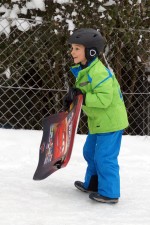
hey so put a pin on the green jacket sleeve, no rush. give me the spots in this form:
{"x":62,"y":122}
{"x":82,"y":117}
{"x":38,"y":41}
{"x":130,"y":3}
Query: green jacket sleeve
{"x":101,"y":93}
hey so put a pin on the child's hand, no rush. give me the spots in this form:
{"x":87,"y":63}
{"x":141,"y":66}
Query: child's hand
{"x":77,"y":91}
{"x":66,"y":103}
{"x":69,"y":97}
{"x":74,"y":92}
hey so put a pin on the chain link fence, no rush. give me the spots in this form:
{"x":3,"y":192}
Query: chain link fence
{"x":34,"y":74}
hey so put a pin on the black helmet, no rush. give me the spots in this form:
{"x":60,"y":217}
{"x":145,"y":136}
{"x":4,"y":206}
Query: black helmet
{"x":90,"y":38}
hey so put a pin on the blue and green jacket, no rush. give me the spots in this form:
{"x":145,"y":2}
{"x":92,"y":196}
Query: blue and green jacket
{"x":104,"y":105}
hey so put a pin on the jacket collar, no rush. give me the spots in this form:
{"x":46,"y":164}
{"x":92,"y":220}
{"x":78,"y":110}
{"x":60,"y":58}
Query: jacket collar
{"x":77,"y":68}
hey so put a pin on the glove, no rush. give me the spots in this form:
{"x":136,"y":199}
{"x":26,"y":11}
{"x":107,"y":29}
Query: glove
{"x":66,"y":103}
{"x":69,"y":97}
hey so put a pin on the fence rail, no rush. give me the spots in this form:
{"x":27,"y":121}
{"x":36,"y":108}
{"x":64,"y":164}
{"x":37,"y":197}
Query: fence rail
{"x":34,"y":74}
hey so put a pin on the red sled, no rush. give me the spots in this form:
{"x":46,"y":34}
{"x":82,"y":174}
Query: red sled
{"x":57,"y":142}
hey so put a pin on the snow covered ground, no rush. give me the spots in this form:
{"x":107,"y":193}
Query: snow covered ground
{"x":55,"y":200}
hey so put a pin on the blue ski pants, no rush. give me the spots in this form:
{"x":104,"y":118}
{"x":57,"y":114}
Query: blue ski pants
{"x":101,"y":153}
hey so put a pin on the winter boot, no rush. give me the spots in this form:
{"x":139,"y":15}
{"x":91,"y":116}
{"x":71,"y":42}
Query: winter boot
{"x":93,"y":185}
{"x":79,"y":185}
{"x":99,"y":198}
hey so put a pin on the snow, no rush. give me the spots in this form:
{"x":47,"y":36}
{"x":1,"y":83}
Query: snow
{"x":36,"y":4}
{"x":139,"y":59}
{"x":110,"y":2}
{"x":55,"y":200}
{"x":101,"y":9}
{"x":140,"y":40}
{"x":62,"y":1}
{"x":15,"y":0}
{"x":3,"y":9}
{"x":58,"y":18}
{"x":38,"y":20}
{"x":130,"y":2}
{"x":7,"y":73}
{"x":74,"y":13}
{"x":24,"y":10}
{"x":10,"y":17}
{"x":14,"y":12}
{"x":23,"y":25}
{"x":4,"y":27}
{"x":71,"y":25}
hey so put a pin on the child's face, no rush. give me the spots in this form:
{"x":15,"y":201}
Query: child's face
{"x":78,"y":54}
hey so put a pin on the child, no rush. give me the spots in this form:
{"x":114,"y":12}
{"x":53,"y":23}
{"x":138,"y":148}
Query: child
{"x":107,"y":118}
